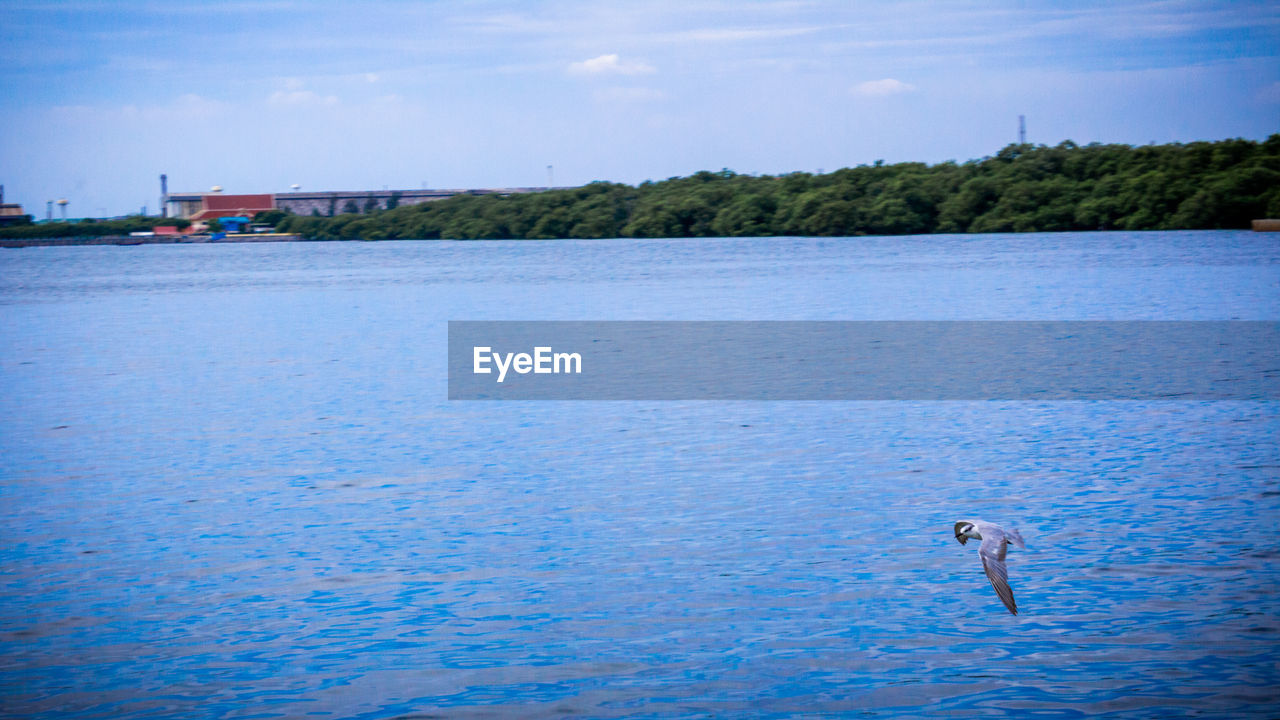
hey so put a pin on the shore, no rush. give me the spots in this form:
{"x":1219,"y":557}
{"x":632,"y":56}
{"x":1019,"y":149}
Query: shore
{"x":152,"y":240}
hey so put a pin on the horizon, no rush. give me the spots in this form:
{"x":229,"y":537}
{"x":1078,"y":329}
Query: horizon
{"x":636,"y":185}
{"x":101,"y":98}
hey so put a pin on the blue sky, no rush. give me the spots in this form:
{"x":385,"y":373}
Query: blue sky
{"x":101,"y":97}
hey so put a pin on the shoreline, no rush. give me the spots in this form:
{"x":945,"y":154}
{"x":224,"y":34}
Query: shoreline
{"x":152,"y":240}
{"x":126,"y":240}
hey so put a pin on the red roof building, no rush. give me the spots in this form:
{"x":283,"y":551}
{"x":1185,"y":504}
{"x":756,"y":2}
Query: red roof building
{"x":220,"y":206}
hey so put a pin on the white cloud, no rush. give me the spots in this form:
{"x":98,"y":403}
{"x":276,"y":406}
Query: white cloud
{"x":300,"y":97}
{"x":610,"y":64}
{"x":738,"y":34}
{"x":510,"y":23}
{"x":881,"y":88}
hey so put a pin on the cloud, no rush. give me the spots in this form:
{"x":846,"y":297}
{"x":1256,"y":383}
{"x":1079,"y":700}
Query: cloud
{"x":509,"y":23}
{"x":610,"y":65}
{"x":738,"y":34}
{"x":881,"y":88}
{"x":300,"y":97}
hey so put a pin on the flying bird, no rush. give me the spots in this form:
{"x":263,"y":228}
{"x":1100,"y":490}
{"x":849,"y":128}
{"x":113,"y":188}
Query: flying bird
{"x":995,"y":540}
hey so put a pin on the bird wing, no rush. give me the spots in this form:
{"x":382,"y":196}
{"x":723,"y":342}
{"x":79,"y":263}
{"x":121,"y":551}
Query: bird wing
{"x":992,"y":553}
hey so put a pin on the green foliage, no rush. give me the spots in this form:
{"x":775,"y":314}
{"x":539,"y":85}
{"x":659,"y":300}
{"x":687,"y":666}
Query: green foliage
{"x":1022,"y":188}
{"x":91,"y":228}
{"x":271,"y":217}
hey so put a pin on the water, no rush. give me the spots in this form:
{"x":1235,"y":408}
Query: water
{"x":231,"y":486}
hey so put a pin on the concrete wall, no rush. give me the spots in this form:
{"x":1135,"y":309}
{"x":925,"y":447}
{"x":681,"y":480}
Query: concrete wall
{"x":184,"y":205}
{"x":335,"y":203}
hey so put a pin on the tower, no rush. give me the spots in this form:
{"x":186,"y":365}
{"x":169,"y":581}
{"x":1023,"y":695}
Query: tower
{"x":1022,"y":129}
{"x":164,"y":195}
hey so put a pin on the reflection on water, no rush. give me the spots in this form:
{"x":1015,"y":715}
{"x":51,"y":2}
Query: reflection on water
{"x":231,"y":486}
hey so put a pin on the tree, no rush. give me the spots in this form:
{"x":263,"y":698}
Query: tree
{"x":1022,"y":188}
{"x":271,"y":217}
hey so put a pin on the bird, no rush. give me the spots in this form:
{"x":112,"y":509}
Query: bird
{"x":995,"y":540}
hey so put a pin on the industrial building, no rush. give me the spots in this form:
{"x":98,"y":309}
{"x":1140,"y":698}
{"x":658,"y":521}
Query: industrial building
{"x":216,"y":204}
{"x":11,"y":213}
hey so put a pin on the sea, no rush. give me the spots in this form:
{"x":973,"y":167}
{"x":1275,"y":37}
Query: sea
{"x":233,"y":485}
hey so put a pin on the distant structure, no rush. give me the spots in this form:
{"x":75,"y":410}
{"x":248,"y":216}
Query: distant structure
{"x":164,"y":193}
{"x":62,"y":203}
{"x":1022,"y":129}
{"x":216,"y":204}
{"x":10,"y":213}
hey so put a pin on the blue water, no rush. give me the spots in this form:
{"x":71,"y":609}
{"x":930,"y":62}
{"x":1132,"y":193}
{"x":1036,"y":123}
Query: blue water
{"x":231,"y":486}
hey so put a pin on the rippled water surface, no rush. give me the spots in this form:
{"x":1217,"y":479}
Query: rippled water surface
{"x":231,"y":486}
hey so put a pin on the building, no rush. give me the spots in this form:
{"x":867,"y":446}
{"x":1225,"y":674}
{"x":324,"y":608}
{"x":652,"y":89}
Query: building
{"x":12,"y":214}
{"x":210,"y":205}
{"x":234,"y":223}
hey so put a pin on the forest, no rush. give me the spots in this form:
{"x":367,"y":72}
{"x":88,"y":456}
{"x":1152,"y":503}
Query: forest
{"x":1022,"y":188}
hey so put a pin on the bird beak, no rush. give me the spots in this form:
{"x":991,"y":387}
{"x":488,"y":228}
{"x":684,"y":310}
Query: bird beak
{"x":962,"y":539}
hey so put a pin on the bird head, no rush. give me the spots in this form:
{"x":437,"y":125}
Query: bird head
{"x":963,"y":528}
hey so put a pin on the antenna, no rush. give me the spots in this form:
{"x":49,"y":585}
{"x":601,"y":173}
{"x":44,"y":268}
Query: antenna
{"x":1022,"y":129}
{"x":551,"y":176}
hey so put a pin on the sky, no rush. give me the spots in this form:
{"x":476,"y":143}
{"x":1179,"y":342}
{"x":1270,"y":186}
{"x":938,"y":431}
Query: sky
{"x":100,"y":98}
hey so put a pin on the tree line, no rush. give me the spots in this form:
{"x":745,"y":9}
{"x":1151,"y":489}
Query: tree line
{"x":1022,"y":188}
{"x":89,"y":227}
